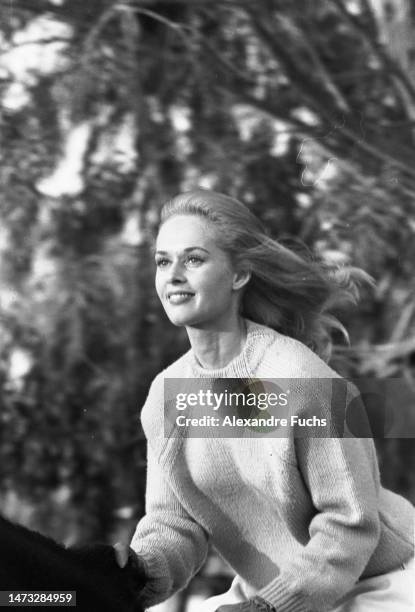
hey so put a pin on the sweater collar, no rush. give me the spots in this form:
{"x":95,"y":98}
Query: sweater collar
{"x":238,"y":367}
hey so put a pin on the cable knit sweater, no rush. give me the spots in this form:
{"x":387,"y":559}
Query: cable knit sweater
{"x":300,"y":520}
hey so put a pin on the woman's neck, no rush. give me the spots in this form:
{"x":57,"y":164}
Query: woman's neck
{"x":215,"y":348}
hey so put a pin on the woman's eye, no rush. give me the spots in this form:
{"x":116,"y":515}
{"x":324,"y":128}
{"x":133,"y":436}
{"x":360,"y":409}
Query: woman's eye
{"x":194,"y":260}
{"x":162,"y":262}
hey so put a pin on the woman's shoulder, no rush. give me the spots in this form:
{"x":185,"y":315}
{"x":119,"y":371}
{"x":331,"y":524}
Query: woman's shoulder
{"x":286,"y":357}
{"x":155,"y":400}
{"x":311,"y":380}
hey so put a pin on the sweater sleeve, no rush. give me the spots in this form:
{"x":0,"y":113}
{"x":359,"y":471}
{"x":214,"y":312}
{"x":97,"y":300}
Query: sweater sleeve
{"x":167,"y":539}
{"x":342,"y":477}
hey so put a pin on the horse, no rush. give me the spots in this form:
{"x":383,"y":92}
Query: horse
{"x":30,"y":561}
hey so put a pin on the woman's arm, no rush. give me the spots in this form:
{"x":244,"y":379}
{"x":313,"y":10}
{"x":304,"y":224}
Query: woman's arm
{"x":168,"y":540}
{"x":343,"y":480}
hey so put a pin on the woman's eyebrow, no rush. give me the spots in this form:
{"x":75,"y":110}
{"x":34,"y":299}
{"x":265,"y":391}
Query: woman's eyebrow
{"x":194,"y":248}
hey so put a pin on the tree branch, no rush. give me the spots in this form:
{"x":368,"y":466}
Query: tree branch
{"x":327,"y":80}
{"x":318,"y":101}
{"x":316,"y":97}
{"x":391,"y":65}
{"x":189,"y":3}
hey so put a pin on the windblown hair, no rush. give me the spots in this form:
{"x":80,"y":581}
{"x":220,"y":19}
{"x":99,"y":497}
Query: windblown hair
{"x":290,"y":292}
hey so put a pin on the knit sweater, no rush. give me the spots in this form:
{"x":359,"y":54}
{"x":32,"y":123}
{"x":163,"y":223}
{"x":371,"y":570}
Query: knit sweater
{"x":300,"y":520}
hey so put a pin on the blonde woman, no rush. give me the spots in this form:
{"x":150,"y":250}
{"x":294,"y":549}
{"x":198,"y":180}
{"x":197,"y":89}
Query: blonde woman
{"x":304,"y":522}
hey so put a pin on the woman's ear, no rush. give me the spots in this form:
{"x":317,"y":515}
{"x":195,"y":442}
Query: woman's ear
{"x":240,"y":279}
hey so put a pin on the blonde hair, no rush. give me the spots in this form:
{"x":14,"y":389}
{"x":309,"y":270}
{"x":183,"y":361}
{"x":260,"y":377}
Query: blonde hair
{"x":290,"y":292}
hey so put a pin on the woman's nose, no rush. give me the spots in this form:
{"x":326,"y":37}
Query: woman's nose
{"x":176,"y":272}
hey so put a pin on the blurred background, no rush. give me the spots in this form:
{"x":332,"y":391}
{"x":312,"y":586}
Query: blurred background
{"x":304,"y":110}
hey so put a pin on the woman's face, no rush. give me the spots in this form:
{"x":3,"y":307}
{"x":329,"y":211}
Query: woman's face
{"x":195,"y":279}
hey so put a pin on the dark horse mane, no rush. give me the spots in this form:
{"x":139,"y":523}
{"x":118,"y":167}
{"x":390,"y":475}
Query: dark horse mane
{"x":30,"y":561}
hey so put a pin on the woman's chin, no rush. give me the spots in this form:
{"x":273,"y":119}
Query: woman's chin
{"x":187,"y":320}
{"x":180,"y":320}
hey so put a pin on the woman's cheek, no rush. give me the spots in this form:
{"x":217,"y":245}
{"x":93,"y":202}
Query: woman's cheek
{"x":159,"y":285}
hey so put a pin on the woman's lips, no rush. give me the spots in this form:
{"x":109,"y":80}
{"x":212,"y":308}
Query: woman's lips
{"x":179,"y":297}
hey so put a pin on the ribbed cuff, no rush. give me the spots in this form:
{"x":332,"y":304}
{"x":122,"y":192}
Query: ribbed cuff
{"x":261,"y":605}
{"x":282,"y":598}
{"x":158,"y":585}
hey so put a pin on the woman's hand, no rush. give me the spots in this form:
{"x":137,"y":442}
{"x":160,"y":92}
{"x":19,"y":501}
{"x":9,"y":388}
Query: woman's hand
{"x":122,"y":554}
{"x":128,"y":560}
{"x":255,"y":604}
{"x":118,"y":562}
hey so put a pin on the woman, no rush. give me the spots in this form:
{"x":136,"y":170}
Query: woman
{"x":304,"y":522}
